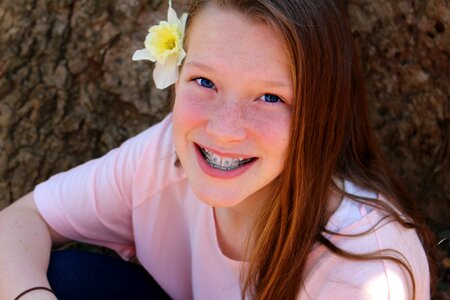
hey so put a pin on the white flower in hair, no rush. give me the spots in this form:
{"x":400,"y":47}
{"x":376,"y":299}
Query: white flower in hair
{"x":164,"y":45}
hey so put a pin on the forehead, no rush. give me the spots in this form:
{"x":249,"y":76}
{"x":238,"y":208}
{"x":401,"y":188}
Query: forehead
{"x":230,"y":38}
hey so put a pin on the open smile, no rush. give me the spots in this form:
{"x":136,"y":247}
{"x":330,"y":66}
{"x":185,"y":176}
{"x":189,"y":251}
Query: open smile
{"x":221,"y":162}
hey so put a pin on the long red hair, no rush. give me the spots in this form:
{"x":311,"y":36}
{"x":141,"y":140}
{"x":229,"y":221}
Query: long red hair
{"x":331,"y":136}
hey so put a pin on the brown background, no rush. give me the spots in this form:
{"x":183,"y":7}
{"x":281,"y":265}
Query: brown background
{"x":70,"y":92}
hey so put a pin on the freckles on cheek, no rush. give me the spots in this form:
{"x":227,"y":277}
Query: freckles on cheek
{"x":272,"y":127}
{"x":188,"y":111}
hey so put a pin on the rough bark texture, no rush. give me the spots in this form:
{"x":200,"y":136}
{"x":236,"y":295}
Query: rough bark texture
{"x":68,"y":88}
{"x":405,"y":48}
{"x":70,"y":92}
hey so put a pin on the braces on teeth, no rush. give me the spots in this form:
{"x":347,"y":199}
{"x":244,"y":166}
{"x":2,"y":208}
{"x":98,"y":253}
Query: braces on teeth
{"x":223,"y":163}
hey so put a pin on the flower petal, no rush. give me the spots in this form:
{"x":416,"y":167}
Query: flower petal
{"x":142,"y":54}
{"x":171,"y":15}
{"x":166,"y":74}
{"x":183,"y":23}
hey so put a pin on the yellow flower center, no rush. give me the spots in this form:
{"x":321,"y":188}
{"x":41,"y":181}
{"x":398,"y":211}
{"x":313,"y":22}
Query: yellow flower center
{"x":170,"y":44}
{"x":164,"y":40}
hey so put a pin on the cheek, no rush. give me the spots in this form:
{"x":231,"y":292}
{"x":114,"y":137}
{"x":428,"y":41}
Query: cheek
{"x":272,"y":127}
{"x":187,"y":111}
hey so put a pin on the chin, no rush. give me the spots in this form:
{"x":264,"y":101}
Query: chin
{"x":217,"y":199}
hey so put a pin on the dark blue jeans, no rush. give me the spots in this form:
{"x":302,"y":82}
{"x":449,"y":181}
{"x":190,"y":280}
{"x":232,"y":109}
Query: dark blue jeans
{"x":76,"y":275}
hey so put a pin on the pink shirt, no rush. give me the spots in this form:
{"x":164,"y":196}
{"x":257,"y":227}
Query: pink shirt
{"x":135,"y":201}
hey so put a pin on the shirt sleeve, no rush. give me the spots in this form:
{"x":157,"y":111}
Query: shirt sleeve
{"x":92,"y":203}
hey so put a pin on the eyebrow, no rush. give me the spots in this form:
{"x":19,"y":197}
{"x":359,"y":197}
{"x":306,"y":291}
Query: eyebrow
{"x":199,"y":65}
{"x":206,"y":67}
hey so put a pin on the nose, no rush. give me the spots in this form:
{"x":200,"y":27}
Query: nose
{"x":225,"y":122}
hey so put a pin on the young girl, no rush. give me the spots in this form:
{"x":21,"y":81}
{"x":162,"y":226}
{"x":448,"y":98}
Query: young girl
{"x":264,"y":182}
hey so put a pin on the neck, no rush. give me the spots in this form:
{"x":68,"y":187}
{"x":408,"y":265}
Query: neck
{"x":233,"y":225}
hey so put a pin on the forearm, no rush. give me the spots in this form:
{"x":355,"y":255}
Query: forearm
{"x":24,"y":253}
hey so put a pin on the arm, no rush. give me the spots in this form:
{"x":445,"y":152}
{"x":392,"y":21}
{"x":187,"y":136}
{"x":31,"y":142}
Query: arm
{"x":90,"y":203}
{"x":26,"y":242}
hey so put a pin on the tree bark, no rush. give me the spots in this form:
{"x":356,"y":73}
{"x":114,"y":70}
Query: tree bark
{"x":69,"y":91}
{"x":405,"y":48}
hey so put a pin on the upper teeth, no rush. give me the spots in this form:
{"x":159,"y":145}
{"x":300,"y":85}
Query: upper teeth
{"x":226,"y":162}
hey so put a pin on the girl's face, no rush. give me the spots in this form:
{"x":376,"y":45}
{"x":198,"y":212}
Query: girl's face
{"x":232,"y":109}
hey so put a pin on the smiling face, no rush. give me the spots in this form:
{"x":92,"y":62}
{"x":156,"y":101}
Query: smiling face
{"x":232,"y":109}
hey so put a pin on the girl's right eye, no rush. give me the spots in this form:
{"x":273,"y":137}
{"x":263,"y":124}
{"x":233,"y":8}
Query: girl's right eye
{"x":206,"y":83}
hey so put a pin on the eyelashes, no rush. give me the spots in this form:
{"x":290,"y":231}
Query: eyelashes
{"x":208,"y":84}
{"x":271,"y":98}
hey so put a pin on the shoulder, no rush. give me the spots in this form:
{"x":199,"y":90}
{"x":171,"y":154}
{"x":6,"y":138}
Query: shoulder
{"x":365,"y":230}
{"x":158,"y":136}
{"x":156,"y":169}
{"x":335,"y":277}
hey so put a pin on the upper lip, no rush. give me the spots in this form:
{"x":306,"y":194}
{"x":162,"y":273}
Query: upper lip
{"x":224,"y":154}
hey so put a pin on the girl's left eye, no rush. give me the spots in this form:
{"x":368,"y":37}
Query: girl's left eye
{"x":206,"y":83}
{"x":271,"y":98}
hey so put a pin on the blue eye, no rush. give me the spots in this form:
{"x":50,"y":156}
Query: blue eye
{"x":271,"y":98}
{"x":205,"y":83}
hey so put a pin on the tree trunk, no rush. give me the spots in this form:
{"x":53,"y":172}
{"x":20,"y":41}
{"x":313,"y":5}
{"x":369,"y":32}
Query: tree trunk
{"x":405,"y":48}
{"x":69,"y":91}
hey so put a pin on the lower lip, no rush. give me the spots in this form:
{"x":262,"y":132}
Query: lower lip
{"x":213,"y":172}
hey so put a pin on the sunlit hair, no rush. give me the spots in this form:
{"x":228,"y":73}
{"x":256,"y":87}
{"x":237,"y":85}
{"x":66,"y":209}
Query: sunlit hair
{"x":331,"y":137}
